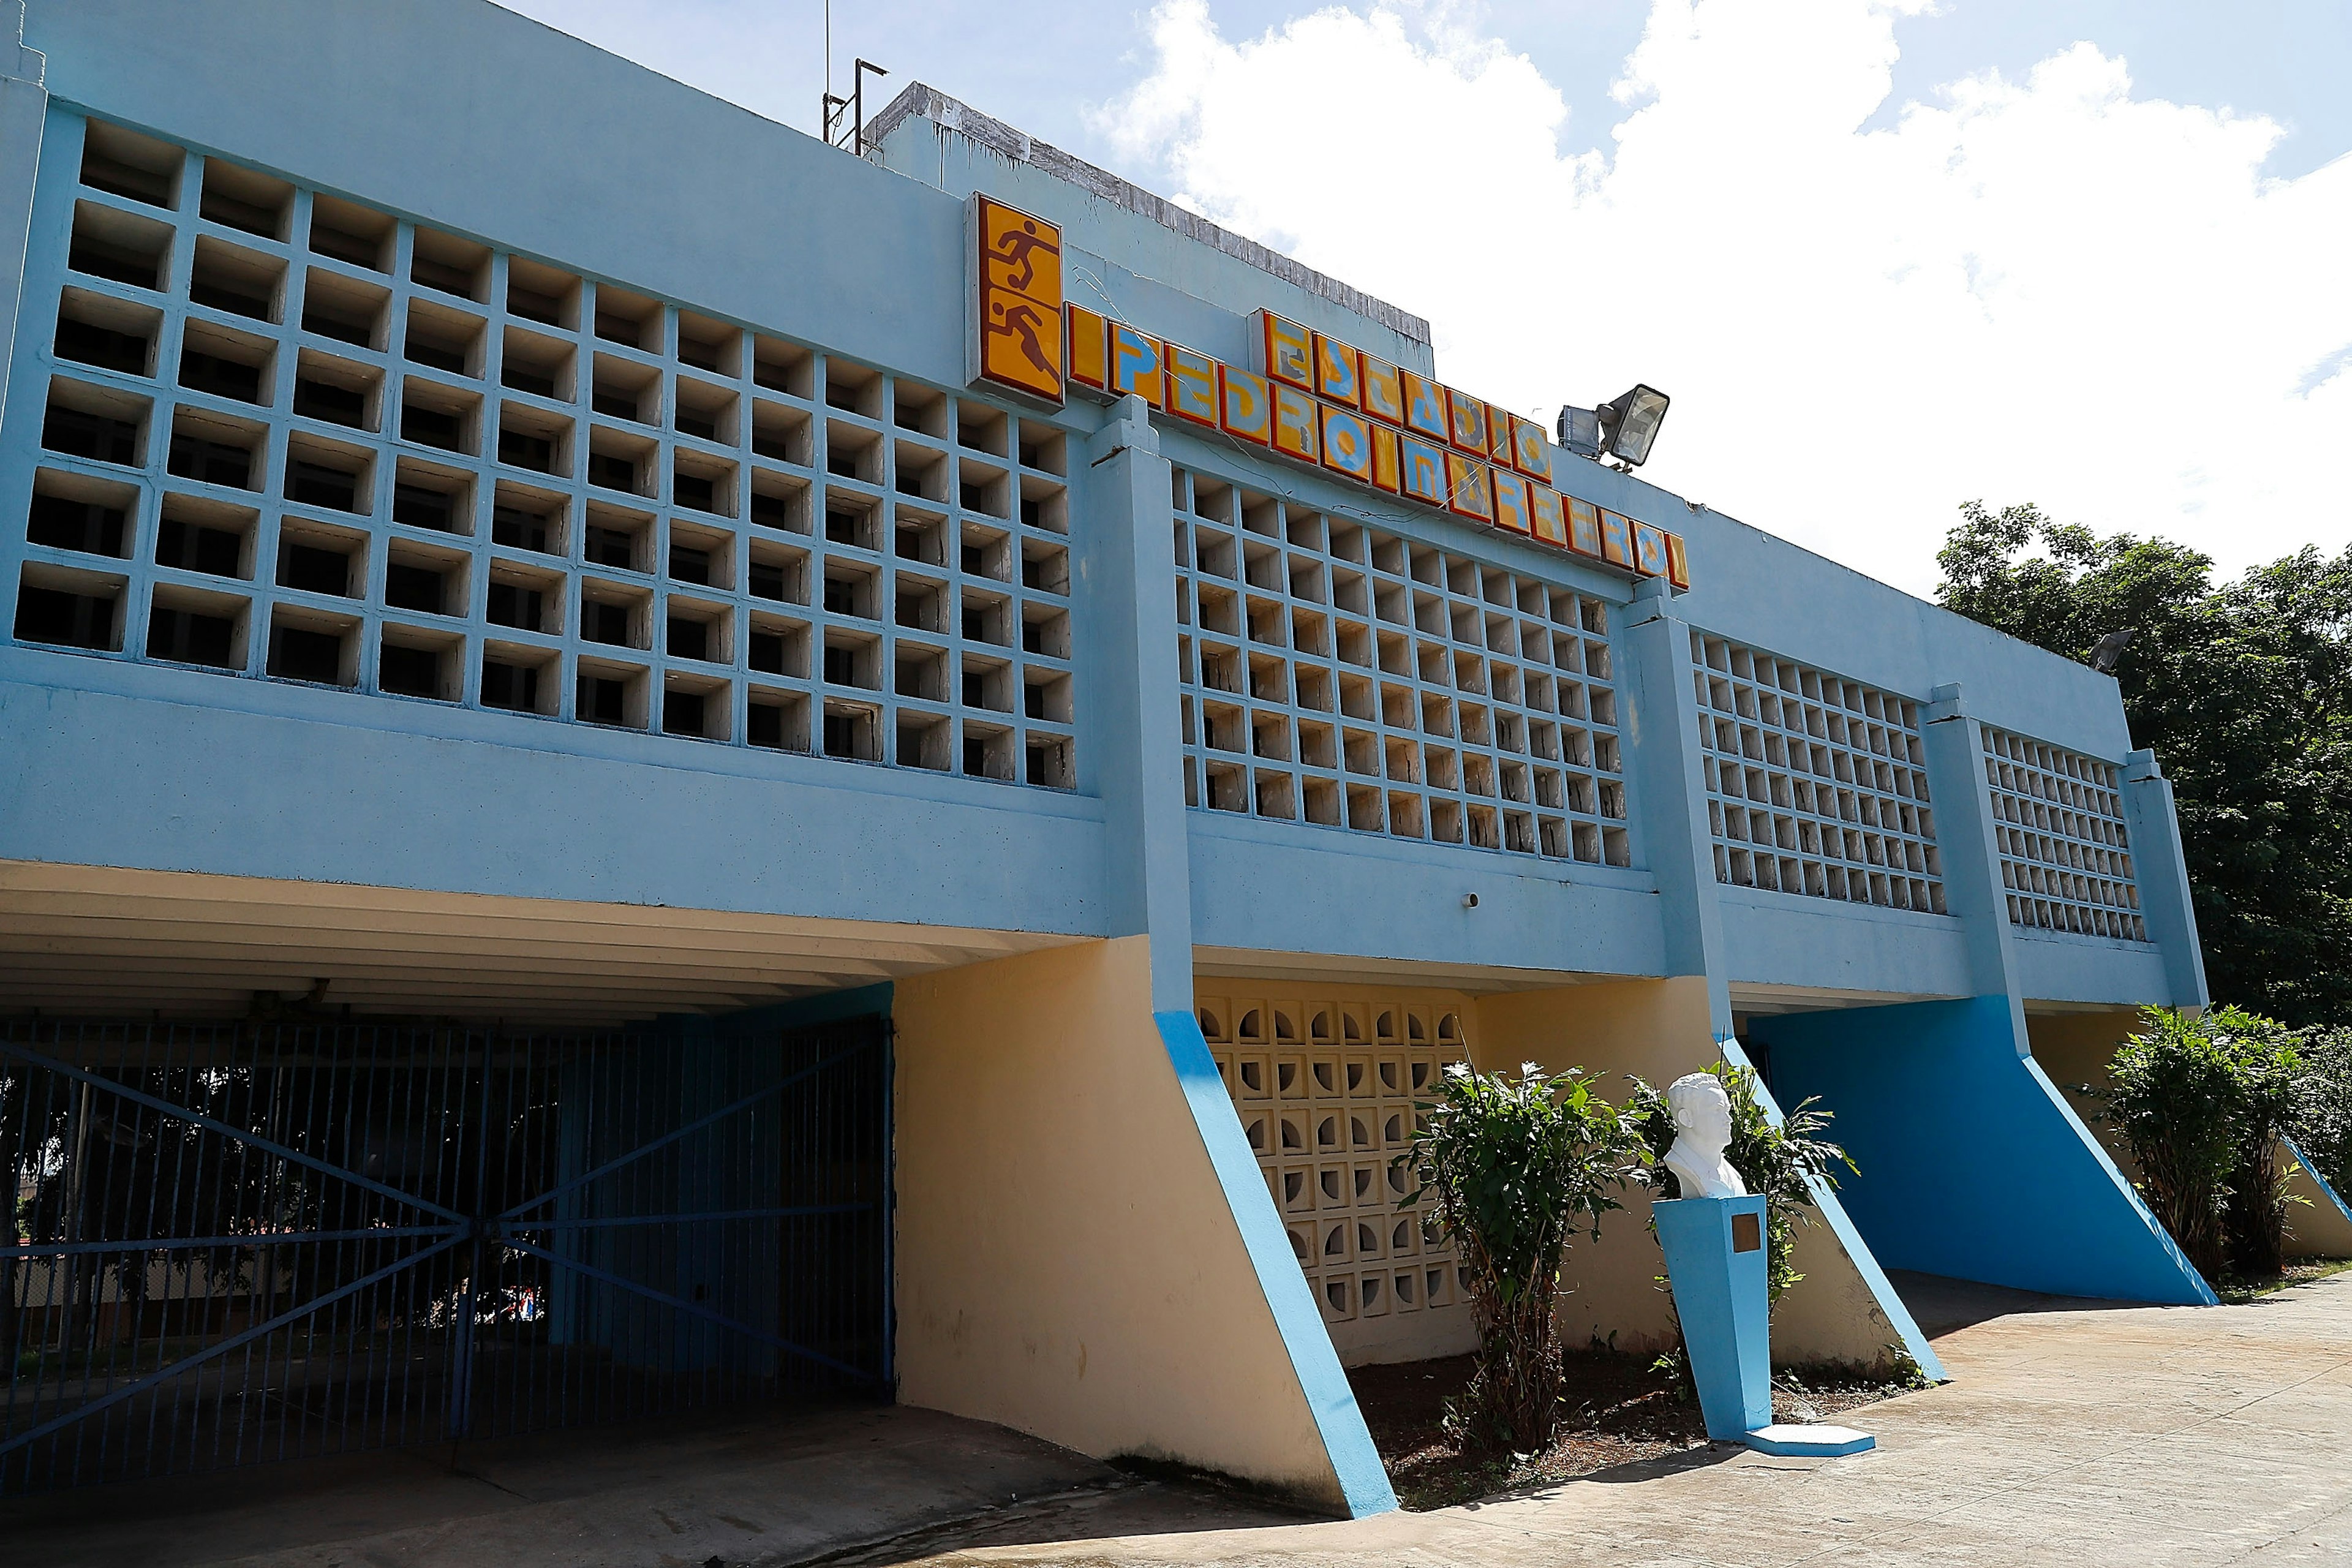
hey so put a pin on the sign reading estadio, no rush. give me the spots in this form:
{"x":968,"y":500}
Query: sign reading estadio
{"x":1307,"y":396}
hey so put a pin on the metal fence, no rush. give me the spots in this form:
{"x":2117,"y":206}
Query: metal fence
{"x":234,"y":1244}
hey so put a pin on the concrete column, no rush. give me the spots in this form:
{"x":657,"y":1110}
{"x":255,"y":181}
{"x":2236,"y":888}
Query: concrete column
{"x":1138,"y":723}
{"x":2161,"y":869}
{"x":24,"y":111}
{"x":1970,"y":853}
{"x":1676,"y":837}
{"x":1085,"y":1247}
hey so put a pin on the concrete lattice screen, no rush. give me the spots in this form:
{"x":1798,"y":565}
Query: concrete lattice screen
{"x":1816,"y":785}
{"x":2066,"y":852}
{"x":1338,"y":674}
{"x":1326,"y":1090}
{"x":288,"y":435}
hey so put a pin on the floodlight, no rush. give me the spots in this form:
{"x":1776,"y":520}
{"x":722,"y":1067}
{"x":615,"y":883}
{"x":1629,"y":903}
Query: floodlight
{"x":1580,"y":432}
{"x":1629,"y":425}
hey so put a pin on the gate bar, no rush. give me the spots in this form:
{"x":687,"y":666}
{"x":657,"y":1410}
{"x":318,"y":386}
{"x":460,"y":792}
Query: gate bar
{"x":695,"y":1308}
{"x":688,"y":1130}
{"x":32,"y":1249}
{"x":211,"y":1124}
{"x":116,"y":1396}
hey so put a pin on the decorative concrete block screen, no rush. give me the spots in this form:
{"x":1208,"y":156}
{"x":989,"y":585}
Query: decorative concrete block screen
{"x":1816,"y":785}
{"x":291,"y":437}
{"x":2066,"y":854}
{"x":1337,"y":673}
{"x":1325,"y":1089}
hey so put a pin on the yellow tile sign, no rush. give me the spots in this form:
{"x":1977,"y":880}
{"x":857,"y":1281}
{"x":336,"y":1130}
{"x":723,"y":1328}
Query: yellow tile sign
{"x":1019,"y":300}
{"x":1308,"y":397}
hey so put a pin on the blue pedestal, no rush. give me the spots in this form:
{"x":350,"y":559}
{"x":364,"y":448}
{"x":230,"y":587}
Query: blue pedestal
{"x":1715,"y":1259}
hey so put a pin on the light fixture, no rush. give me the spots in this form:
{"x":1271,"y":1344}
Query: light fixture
{"x":1580,"y":432}
{"x":1629,"y":425}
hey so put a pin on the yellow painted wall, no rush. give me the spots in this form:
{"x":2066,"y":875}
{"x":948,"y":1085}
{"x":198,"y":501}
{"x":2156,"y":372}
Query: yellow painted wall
{"x":2075,"y":1048}
{"x":1067,"y":1263}
{"x":1661,"y":1029}
{"x":2315,"y":1227}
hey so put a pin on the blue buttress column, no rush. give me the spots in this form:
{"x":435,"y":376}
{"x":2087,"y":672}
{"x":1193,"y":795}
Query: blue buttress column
{"x":1679,"y":845}
{"x":2160,"y":867}
{"x":1972,"y":1163}
{"x":1142,"y":786}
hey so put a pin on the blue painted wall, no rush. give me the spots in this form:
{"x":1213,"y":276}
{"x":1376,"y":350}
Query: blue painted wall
{"x":1287,"y":888}
{"x":1774,"y":939}
{"x":1971,"y":1164}
{"x":304,"y":789}
{"x":616,"y":173}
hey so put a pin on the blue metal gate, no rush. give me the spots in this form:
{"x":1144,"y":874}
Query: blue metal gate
{"x":234,"y":1244}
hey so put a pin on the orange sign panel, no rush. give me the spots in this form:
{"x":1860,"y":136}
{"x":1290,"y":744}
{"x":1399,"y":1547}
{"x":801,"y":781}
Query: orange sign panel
{"x":1020,"y":278}
{"x":1089,"y":362}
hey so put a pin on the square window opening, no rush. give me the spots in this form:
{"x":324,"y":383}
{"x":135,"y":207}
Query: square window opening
{"x":79,"y":513}
{"x":119,"y":246}
{"x":125,"y":163}
{"x":347,"y":232}
{"x":308,"y":646}
{"x":68,"y":609}
{"x":186,"y":626}
{"x":113,"y":335}
{"x":96,"y":423}
{"x":245,"y":199}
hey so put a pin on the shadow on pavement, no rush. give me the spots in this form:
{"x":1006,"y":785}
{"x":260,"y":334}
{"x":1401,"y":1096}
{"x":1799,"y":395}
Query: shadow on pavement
{"x":1943,"y":1306}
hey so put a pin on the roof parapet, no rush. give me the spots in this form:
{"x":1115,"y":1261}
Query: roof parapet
{"x":922,"y":101}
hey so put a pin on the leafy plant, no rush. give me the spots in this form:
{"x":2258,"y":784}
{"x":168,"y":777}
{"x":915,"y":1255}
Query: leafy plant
{"x":2267,"y":1073}
{"x":2202,"y":1103}
{"x":2171,"y":1099}
{"x":1780,"y":1163}
{"x":1514,"y":1171}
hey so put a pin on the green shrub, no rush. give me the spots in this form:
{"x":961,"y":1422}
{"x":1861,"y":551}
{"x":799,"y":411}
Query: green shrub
{"x":2269,"y":1074}
{"x":1514,"y":1170}
{"x":2202,"y":1103}
{"x":2171,"y":1099}
{"x":1778,"y":1162}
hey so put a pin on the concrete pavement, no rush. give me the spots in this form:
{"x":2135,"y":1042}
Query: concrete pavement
{"x":2081,"y":1434}
{"x":2075,"y":1433}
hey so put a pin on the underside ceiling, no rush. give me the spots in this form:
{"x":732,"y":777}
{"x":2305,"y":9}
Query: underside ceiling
{"x":100,"y":941}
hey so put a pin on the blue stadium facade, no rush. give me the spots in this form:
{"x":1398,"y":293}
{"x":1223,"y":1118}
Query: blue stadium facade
{"x":497,"y":543}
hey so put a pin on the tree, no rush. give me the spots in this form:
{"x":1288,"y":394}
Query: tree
{"x":1514,"y":1170}
{"x":2244,"y":692}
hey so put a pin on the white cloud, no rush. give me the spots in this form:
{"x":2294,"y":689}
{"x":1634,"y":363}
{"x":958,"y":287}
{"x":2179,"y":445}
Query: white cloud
{"x":2041,"y":290}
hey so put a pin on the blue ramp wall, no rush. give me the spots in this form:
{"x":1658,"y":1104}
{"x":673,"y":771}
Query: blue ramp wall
{"x":1971,"y":1165}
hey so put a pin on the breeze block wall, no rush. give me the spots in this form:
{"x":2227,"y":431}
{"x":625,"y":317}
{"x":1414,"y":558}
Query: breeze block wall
{"x":1326,"y":1080}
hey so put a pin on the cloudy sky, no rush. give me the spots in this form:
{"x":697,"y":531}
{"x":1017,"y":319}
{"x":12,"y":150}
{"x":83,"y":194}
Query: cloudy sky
{"x":1885,"y":255}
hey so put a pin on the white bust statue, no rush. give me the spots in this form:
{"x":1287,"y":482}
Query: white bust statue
{"x":1702,"y":1113}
